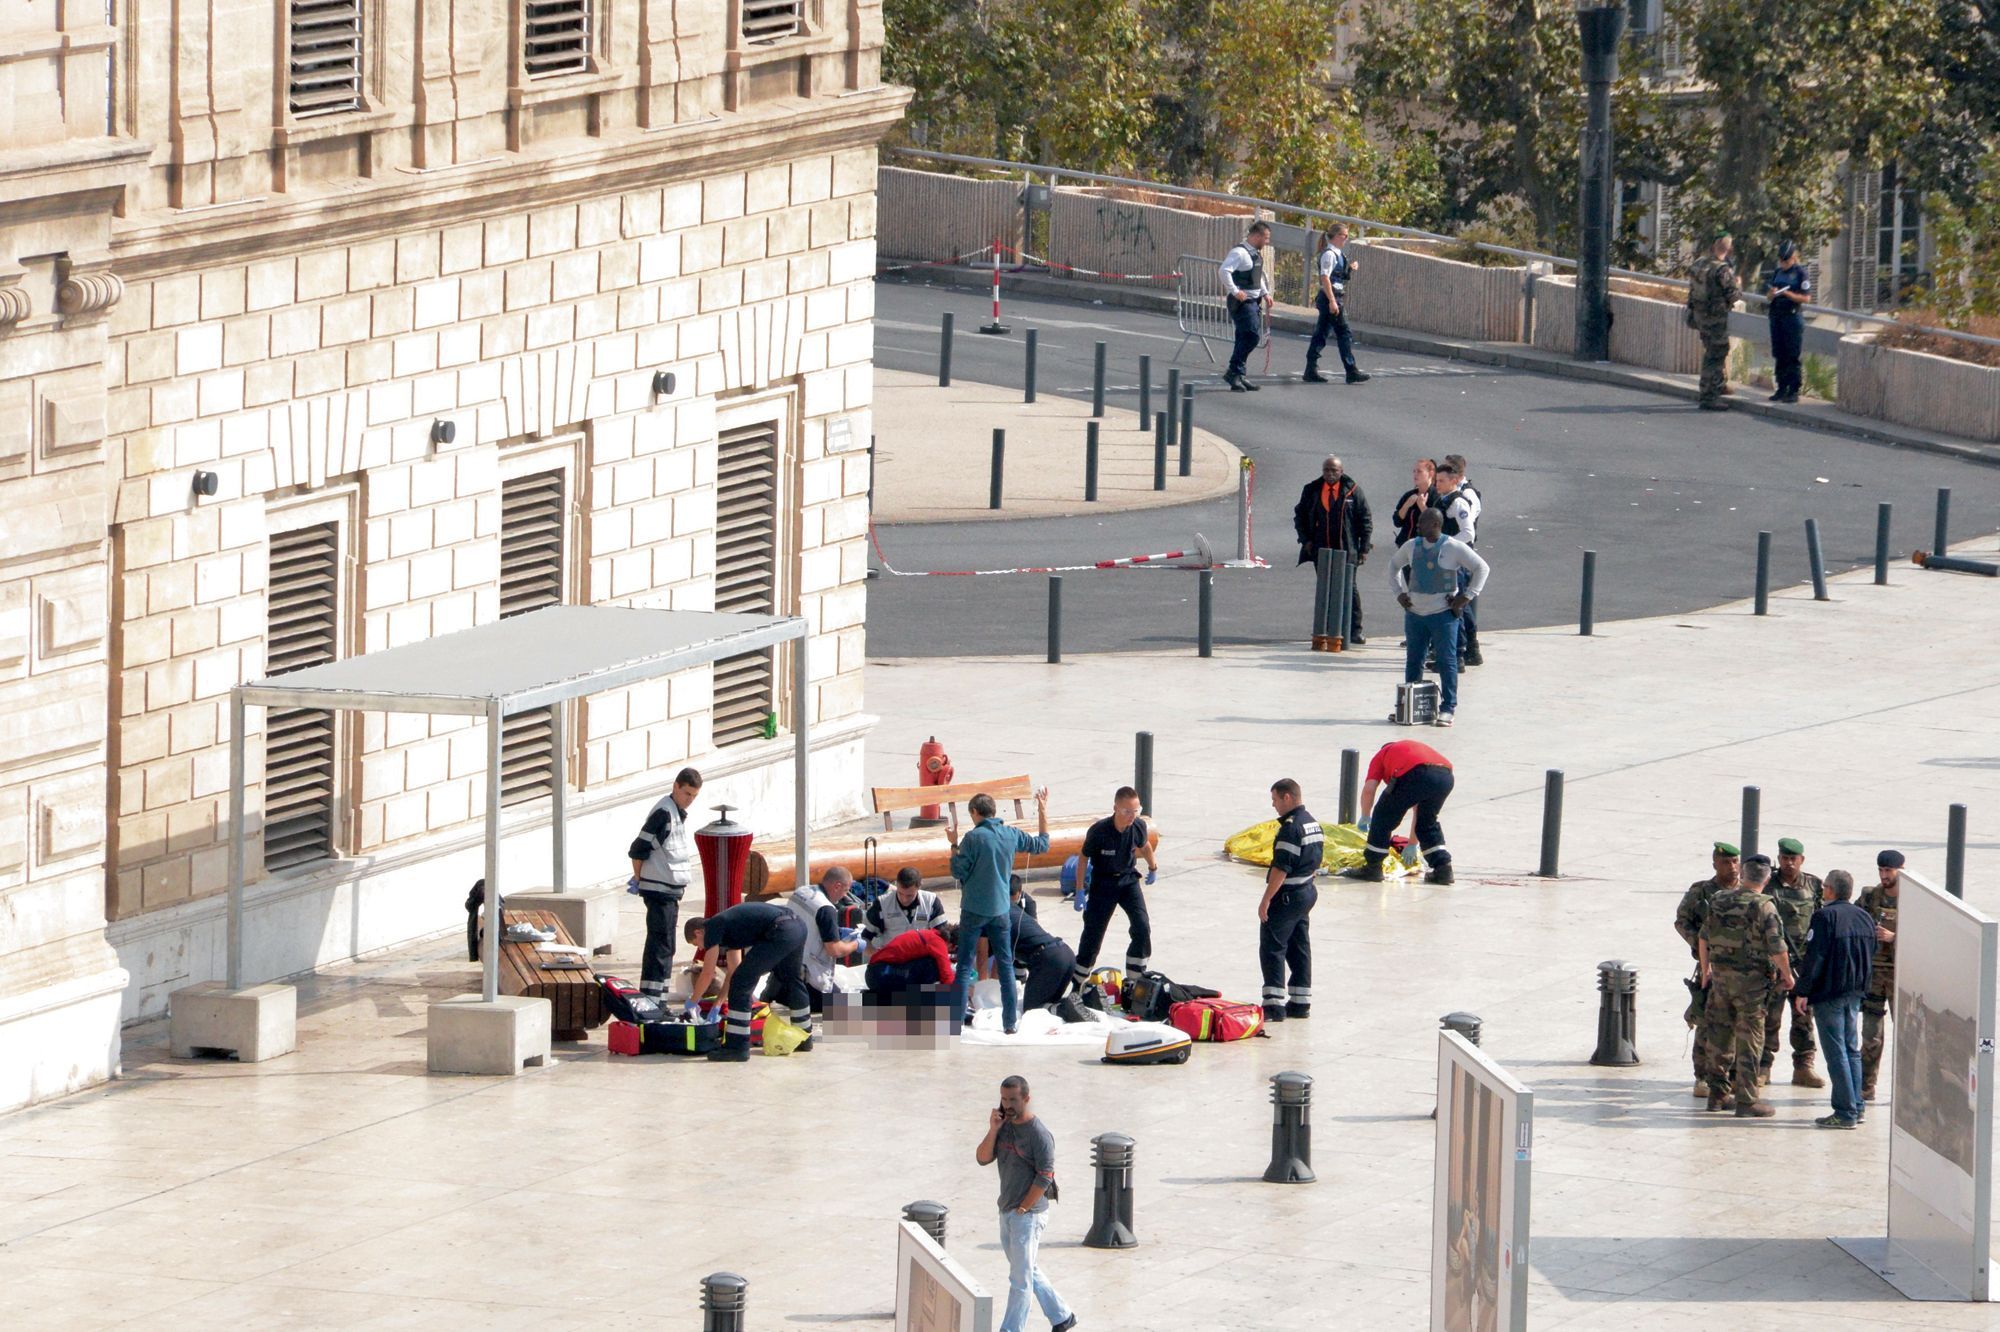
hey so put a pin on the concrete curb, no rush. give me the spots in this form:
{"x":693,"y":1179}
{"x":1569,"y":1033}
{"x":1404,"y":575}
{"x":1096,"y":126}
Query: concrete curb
{"x":1823,"y":417}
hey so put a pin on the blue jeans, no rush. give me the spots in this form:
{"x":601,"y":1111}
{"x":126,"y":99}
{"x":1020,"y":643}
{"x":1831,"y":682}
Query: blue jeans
{"x":1436,"y":635}
{"x":999,"y":932}
{"x":1021,"y":1236}
{"x":1839,"y":1023}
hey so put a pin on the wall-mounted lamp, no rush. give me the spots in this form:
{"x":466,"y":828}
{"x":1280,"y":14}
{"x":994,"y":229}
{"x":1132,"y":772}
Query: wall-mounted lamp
{"x":443,"y":431}
{"x":663,"y":383}
{"x":205,"y":483}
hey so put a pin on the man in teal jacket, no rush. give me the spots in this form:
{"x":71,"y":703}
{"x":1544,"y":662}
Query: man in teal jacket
{"x":983,"y":863}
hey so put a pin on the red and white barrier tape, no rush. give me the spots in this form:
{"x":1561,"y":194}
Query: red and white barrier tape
{"x":952,"y":262}
{"x":1024,"y":257}
{"x":1201,"y":553}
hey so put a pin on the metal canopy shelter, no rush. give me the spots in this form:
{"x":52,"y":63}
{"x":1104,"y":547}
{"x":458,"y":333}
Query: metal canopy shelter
{"x":538,"y":660}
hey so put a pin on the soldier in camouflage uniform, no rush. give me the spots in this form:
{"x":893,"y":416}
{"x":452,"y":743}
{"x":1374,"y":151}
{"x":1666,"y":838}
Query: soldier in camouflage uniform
{"x":1796,"y":894}
{"x":1712,"y":293}
{"x":1741,"y":944}
{"x":1880,"y":902}
{"x":1687,"y":923}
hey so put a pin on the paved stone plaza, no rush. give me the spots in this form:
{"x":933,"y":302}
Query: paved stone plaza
{"x":342,"y":1186}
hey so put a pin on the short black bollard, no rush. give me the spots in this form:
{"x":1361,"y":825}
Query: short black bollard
{"x":1291,"y":1130}
{"x":1145,"y":393}
{"x":1029,"y":347}
{"x":1763,"y":573}
{"x":724,"y":1297}
{"x":1205,"y":616}
{"x":1142,"y":770}
{"x":993,"y":485}
{"x":1954,"y":851}
{"x":1350,"y":786}
{"x":1941,"y":534}
{"x":1055,"y":619}
{"x":1753,"y":798}
{"x":1816,"y":559}
{"x":1467,"y":1025}
{"x":1160,"y":451}
{"x":1322,"y":598}
{"x":1552,"y":824}
{"x":1097,"y":381}
{"x":1882,"y":545}
{"x":1617,"y":1015}
{"x":1187,"y":431}
{"x":928,"y":1217}
{"x":1586,"y":615}
{"x":944,"y":351}
{"x":1111,"y":1212}
{"x":1173,"y":408}
{"x":1090,"y":462}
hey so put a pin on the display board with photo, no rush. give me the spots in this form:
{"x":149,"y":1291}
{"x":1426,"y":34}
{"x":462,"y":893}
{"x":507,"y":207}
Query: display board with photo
{"x":1479,"y":1250}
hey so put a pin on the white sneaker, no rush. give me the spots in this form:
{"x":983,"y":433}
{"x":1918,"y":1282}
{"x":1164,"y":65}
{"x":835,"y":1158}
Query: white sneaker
{"x":1443,"y":719}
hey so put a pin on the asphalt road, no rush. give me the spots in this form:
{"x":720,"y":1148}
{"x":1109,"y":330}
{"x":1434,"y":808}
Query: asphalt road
{"x":1669,"y":497}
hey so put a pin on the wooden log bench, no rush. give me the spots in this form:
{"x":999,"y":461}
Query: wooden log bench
{"x":576,"y":1003}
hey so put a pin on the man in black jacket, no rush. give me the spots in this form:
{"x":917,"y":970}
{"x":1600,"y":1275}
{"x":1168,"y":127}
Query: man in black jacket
{"x":1332,"y":514}
{"x":1840,"y":957}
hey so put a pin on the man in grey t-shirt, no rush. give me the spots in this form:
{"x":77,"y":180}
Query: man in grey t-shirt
{"x":1025,"y":1151}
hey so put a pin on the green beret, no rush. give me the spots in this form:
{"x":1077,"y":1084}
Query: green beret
{"x":1726,"y":849}
{"x":1721,"y":234}
{"x":1791,"y":846}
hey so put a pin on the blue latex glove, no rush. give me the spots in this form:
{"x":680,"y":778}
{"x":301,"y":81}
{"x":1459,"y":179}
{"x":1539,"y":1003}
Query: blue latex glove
{"x":632,"y":884}
{"x":692,"y":1012}
{"x":1152,"y":876}
{"x":1362,"y":823}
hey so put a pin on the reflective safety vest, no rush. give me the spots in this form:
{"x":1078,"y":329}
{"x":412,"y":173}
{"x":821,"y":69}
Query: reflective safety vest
{"x":807,"y":902}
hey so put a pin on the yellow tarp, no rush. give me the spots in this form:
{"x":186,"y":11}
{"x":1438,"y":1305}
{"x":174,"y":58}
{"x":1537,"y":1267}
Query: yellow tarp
{"x":1344,"y":846}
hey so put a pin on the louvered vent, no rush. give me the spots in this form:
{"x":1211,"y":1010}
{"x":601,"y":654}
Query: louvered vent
{"x":770,"y":20}
{"x":304,"y":611}
{"x":532,"y":523}
{"x":556,"y":39}
{"x":746,"y":573}
{"x":325,"y":73}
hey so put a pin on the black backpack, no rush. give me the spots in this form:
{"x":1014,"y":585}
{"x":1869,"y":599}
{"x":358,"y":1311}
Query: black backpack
{"x":1150,"y":995}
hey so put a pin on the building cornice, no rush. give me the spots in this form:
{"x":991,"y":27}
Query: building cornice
{"x":410,"y":200}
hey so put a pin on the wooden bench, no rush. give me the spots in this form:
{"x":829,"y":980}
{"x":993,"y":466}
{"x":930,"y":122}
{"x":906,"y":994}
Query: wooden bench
{"x":575,"y":1002}
{"x":889,"y":799}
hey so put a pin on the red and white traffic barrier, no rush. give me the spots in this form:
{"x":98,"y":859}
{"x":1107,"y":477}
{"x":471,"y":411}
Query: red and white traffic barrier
{"x":996,"y":326}
{"x":1201,"y":557}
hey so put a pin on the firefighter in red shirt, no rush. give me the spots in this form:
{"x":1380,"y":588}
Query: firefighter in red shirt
{"x":1404,"y":775}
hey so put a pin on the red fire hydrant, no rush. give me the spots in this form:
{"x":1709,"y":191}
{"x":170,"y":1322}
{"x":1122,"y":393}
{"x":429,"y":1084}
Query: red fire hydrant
{"x":933,"y":769}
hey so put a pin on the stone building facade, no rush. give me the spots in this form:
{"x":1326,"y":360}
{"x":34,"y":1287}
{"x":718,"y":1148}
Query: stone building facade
{"x":330,"y":325}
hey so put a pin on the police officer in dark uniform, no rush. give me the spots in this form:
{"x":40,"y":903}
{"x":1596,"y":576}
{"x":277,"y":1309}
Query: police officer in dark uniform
{"x":1790,"y":288}
{"x":752,"y":940}
{"x":1284,"y":935}
{"x":1111,"y":851}
{"x":1045,"y":963}
{"x":1248,"y":295}
{"x":1335,"y":270}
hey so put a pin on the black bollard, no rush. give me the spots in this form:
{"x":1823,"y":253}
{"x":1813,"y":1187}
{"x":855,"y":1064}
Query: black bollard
{"x":993,"y":484}
{"x":1173,"y":407}
{"x":1763,"y":573}
{"x":1145,"y":393}
{"x":1586,"y":615}
{"x":1467,"y":1025}
{"x":1617,"y":1015}
{"x":1097,"y":381}
{"x":1111,"y":1212}
{"x":1205,"y":616}
{"x":724,"y":1297}
{"x":1028,"y":388}
{"x":1350,"y":785}
{"x":1291,"y":1130}
{"x":1954,"y":851}
{"x":1322,"y":597}
{"x":944,"y":351}
{"x":1090,"y":462}
{"x":1142,"y":770}
{"x":928,"y":1217}
{"x":1747,"y":839}
{"x":1816,"y":559}
{"x":1552,"y":824}
{"x":1941,"y":534}
{"x":1187,"y":431}
{"x":1344,"y":608}
{"x":1882,"y":545}
{"x":1055,"y":619}
{"x":1160,"y":451}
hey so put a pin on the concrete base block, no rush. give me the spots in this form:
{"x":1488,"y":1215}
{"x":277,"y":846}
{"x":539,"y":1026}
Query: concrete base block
{"x":590,"y":915}
{"x":210,"y":1020}
{"x":500,"y":1036}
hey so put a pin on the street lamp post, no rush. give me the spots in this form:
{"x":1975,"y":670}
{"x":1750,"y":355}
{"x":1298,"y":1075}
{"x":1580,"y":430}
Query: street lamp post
{"x":1600,"y":27}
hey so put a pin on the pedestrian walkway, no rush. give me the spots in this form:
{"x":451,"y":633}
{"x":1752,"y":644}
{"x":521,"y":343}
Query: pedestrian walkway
{"x":934,"y":449}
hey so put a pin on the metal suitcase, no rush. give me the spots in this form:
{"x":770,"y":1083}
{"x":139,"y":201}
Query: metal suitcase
{"x":1416,"y":703}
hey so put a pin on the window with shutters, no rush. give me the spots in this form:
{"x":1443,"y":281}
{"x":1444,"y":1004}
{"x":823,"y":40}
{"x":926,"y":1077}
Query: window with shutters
{"x":555,"y":37}
{"x":323,"y":76}
{"x":772,"y":20}
{"x":533,"y":520}
{"x":303,"y":602}
{"x":746,"y":573}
